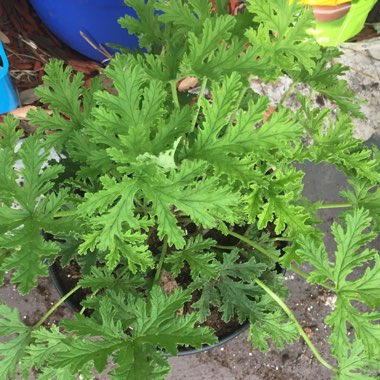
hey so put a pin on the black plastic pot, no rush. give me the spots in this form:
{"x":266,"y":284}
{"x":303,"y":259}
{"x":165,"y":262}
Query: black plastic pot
{"x":222,"y":340}
{"x":73,"y":306}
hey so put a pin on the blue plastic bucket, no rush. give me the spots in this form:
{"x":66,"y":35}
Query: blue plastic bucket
{"x":8,"y":96}
{"x":97,"y":19}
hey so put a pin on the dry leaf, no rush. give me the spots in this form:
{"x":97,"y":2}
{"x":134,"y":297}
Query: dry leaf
{"x":168,"y":282}
{"x":187,"y":83}
{"x":28,"y":96}
{"x":21,"y":113}
{"x":268,"y":112}
{"x":3,"y":38}
{"x":86,"y":67}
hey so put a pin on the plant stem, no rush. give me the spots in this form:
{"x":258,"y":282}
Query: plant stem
{"x":334,"y":205}
{"x":253,"y":244}
{"x":287,"y":93}
{"x":173,"y":86}
{"x":299,"y":327}
{"x":157,"y":277}
{"x":65,"y":213}
{"x":281,"y":239}
{"x":84,"y":307}
{"x":56,"y":306}
{"x":228,"y":247}
{"x":200,"y":97}
{"x":241,"y":96}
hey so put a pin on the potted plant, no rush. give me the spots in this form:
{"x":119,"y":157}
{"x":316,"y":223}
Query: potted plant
{"x":172,"y":203}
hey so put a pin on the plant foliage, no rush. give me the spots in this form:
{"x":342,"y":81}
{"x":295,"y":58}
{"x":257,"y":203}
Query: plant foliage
{"x":150,"y":180}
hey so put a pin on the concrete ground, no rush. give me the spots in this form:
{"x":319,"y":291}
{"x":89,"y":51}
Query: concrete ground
{"x":237,"y":360}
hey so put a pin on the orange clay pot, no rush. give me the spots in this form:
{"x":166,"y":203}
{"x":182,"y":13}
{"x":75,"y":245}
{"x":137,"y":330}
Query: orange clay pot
{"x":325,"y":13}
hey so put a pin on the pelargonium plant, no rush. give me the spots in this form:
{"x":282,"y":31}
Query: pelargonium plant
{"x":174,"y":189}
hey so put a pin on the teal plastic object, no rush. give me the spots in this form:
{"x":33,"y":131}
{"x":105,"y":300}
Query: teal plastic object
{"x":8,"y":96}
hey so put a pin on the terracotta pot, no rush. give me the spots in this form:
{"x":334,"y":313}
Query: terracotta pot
{"x":324,"y":13}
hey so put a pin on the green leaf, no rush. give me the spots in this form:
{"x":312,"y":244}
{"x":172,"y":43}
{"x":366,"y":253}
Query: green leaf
{"x":272,"y":326}
{"x":355,"y":362}
{"x":26,"y":211}
{"x":37,"y":179}
{"x":289,"y":45}
{"x":103,"y":278}
{"x":213,"y":31}
{"x":337,"y":145}
{"x":29,"y":260}
{"x":367,"y":329}
{"x":325,"y":79}
{"x":349,"y":241}
{"x":350,"y":256}
{"x":236,"y":286}
{"x":366,"y":288}
{"x":182,"y":16}
{"x":237,"y":298}
{"x":217,"y":114}
{"x":178,"y":123}
{"x":116,"y":205}
{"x":62,"y":90}
{"x":157,"y":326}
{"x":210,"y":296}
{"x":69,"y":355}
{"x":233,"y":291}
{"x":146,"y":25}
{"x":270,"y":202}
{"x":364,"y":195}
{"x":202,"y":200}
{"x":71,"y":103}
{"x":46,"y":344}
{"x":318,"y":258}
{"x":105,"y":323}
{"x":12,"y":350}
{"x":138,"y":362}
{"x":224,"y":140}
{"x":245,"y":270}
{"x":79,"y":352}
{"x":153,"y":323}
{"x":8,"y":133}
{"x":202,"y":263}
{"x":338,"y":339}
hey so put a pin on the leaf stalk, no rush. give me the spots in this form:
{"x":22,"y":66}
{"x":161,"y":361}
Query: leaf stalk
{"x":287,"y":93}
{"x":61,"y":214}
{"x":256,"y":246}
{"x":56,"y":306}
{"x":298,"y":326}
{"x":200,"y":97}
{"x":173,"y":86}
{"x":334,"y":205}
{"x":164,"y":251}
